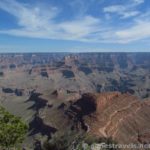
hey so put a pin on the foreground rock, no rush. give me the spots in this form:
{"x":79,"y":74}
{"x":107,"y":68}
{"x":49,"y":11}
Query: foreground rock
{"x":120,"y":116}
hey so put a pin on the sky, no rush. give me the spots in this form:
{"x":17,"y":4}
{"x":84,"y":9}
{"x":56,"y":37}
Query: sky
{"x":74,"y":26}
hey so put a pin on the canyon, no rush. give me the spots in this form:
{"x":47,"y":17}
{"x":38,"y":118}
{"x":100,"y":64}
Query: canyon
{"x":100,"y":94}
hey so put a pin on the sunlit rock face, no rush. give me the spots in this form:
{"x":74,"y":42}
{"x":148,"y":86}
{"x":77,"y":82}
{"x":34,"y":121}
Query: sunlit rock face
{"x":123,"y":117}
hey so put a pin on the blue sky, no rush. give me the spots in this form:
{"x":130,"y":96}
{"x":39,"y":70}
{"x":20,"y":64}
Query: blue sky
{"x":74,"y":25}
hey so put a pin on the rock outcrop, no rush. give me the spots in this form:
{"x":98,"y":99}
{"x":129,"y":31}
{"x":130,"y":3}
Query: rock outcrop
{"x":123,"y":117}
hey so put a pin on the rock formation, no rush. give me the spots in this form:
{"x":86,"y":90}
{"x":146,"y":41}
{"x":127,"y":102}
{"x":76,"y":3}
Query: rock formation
{"x":123,"y":117}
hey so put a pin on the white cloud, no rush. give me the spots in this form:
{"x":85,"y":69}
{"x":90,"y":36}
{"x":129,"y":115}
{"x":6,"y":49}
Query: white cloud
{"x":40,"y":22}
{"x":114,"y":9}
{"x":81,"y":27}
{"x":75,"y":30}
{"x":141,"y":30}
{"x":34,"y":17}
{"x":138,"y":1}
{"x":127,"y":10}
{"x":123,"y":11}
{"x":129,"y":14}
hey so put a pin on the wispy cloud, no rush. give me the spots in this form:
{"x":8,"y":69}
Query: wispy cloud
{"x":141,"y":30}
{"x":41,"y":22}
{"x":126,"y":10}
{"x":138,"y":1}
{"x":29,"y":17}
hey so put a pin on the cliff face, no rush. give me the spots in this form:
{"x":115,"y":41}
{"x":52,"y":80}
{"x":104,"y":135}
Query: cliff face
{"x":87,"y":72}
{"x":52,"y":86}
{"x":120,"y":116}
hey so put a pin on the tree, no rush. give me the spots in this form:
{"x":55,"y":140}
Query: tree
{"x":12,"y":130}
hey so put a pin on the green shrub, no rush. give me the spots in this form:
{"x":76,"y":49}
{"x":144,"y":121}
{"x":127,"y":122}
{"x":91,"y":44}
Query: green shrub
{"x":12,"y":130}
